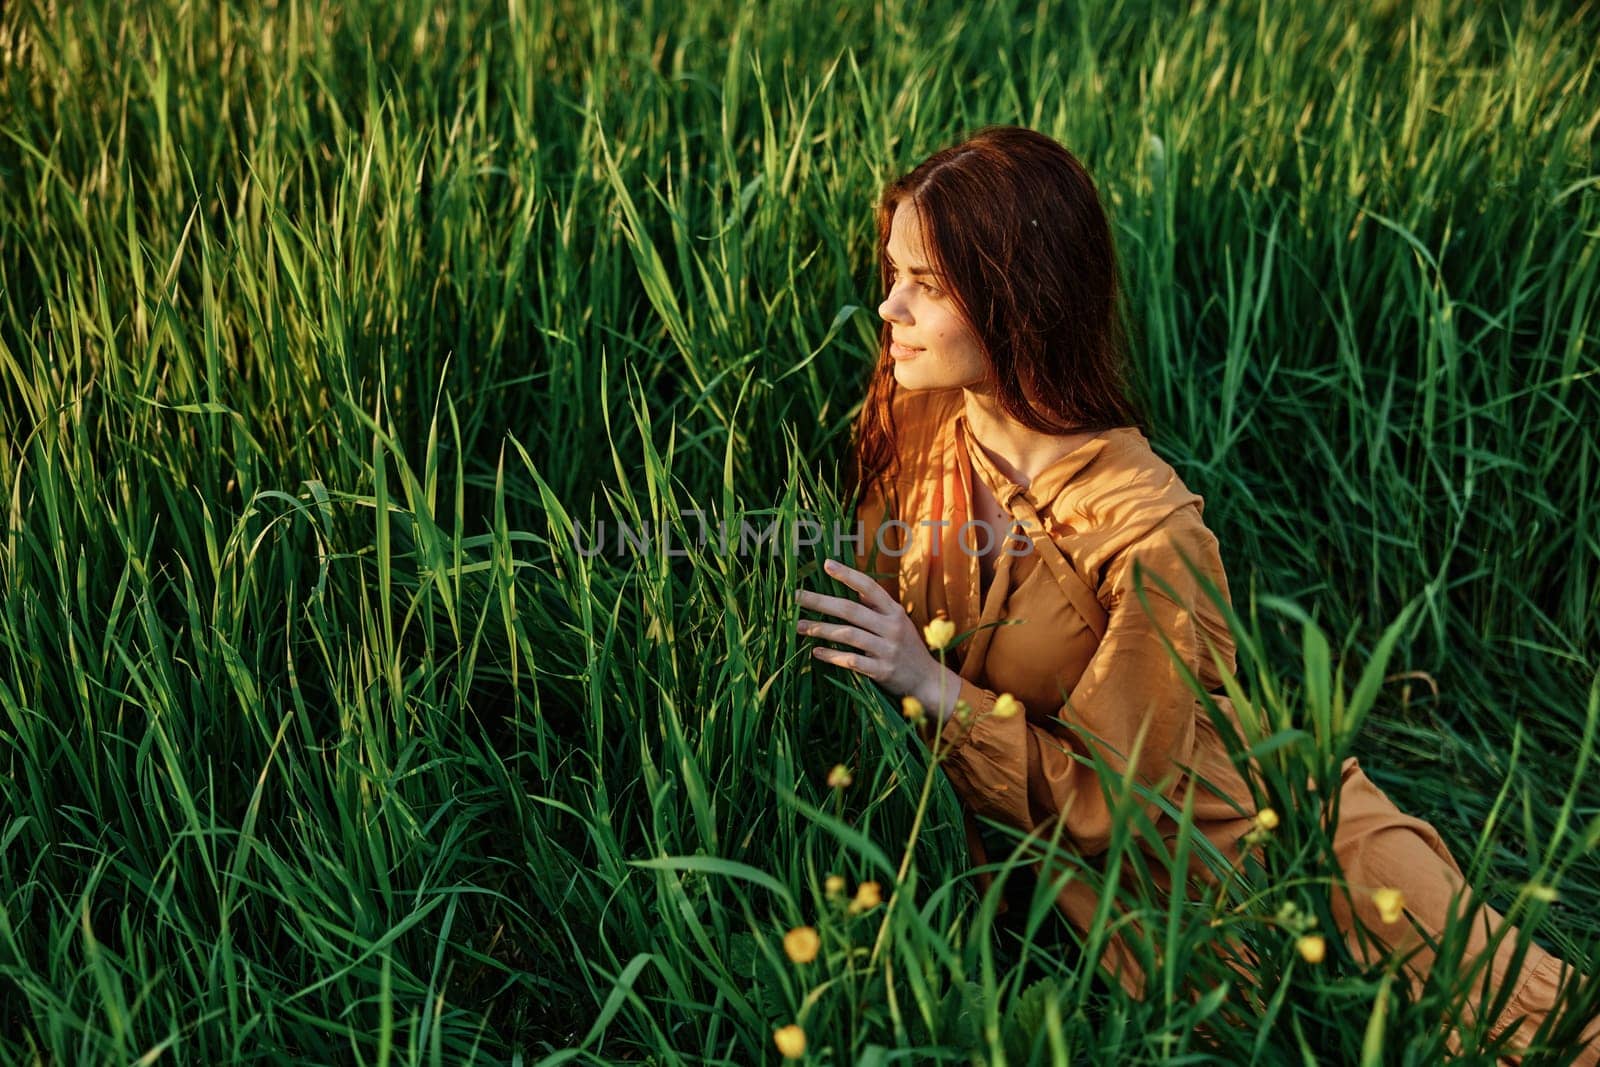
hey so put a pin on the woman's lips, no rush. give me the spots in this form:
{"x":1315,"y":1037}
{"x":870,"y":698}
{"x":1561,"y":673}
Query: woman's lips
{"x":900,"y":351}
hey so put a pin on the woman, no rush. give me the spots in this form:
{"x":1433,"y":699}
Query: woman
{"x":1006,"y":478}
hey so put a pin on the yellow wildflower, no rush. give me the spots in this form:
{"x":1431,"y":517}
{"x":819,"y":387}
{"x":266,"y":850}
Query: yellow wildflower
{"x":1267,"y":819}
{"x":912,"y":708}
{"x":833,"y":885}
{"x":801,"y":944}
{"x":868,"y":896}
{"x":1312,"y":948}
{"x":839,"y":777}
{"x":1391,"y":904}
{"x":938,"y":633}
{"x":791,"y":1041}
{"x":1006,"y":706}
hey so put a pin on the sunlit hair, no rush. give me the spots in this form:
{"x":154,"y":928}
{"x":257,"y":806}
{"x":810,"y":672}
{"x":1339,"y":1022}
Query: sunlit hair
{"x":1020,"y":242}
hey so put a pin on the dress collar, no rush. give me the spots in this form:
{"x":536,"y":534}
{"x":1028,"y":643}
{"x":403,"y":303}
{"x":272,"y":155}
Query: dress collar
{"x":1046,"y":493}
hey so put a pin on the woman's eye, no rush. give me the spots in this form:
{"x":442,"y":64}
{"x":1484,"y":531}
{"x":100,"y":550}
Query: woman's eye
{"x":931,"y":290}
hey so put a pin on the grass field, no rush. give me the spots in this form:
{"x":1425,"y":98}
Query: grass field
{"x":322,"y":326}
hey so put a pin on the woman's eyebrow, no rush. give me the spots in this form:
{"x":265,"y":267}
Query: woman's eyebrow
{"x":909,"y":270}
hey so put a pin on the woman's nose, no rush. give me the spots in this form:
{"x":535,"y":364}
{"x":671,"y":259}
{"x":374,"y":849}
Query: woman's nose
{"x":890,"y":310}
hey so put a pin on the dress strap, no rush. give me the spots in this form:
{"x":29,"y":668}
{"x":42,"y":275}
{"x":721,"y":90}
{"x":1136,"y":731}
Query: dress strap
{"x":1015,"y":499}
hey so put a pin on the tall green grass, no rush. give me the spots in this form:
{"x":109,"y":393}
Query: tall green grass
{"x":324,"y":327}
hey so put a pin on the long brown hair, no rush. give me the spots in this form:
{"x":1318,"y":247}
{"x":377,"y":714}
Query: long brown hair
{"x":1021,"y":242}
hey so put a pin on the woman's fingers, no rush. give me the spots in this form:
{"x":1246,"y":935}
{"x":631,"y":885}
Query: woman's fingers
{"x":844,"y":635}
{"x":890,"y":649}
{"x":851,"y":661}
{"x":871,"y":592}
{"x":848,"y":610}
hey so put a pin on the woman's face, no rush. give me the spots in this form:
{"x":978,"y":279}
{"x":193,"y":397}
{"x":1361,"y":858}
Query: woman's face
{"x":933,"y":348}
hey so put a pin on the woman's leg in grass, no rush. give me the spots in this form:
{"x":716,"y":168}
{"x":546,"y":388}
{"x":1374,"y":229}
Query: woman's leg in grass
{"x":1380,"y":847}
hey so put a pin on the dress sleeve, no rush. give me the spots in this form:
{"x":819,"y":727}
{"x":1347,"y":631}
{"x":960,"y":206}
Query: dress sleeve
{"x":1024,"y":773}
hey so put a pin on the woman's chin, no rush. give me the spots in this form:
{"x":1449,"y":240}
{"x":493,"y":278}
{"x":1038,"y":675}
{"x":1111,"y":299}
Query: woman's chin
{"x":915,"y":380}
{"x":908,"y":377}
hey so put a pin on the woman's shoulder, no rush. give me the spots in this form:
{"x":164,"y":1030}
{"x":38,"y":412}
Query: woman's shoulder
{"x":1124,"y":478}
{"x":1127,"y":496}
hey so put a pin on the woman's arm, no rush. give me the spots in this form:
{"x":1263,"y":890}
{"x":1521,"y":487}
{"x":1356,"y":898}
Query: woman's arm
{"x":1130,"y":698}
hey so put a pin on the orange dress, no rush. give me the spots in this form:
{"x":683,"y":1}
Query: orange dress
{"x":1088,"y":662}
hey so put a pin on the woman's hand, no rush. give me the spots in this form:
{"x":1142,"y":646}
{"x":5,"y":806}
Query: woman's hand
{"x":892,"y":652}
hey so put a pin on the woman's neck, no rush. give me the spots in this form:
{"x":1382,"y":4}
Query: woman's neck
{"x":1021,"y":454}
